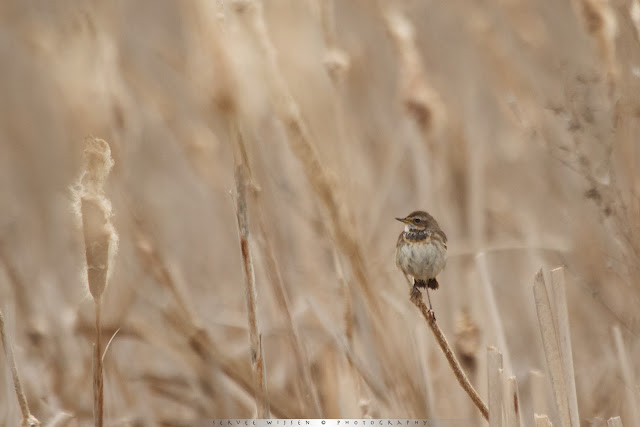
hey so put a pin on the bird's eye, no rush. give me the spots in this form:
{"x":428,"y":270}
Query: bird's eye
{"x":416,"y":220}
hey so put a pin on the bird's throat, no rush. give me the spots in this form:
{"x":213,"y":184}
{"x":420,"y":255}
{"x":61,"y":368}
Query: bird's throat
{"x":416,"y":235}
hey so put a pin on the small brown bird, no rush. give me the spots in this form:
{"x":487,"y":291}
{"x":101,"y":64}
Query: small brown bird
{"x":421,"y":251}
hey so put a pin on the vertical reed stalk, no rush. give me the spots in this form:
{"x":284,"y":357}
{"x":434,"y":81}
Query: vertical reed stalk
{"x":551,"y":349}
{"x":241,"y":157}
{"x":322,"y":180}
{"x":564,"y":339}
{"x":494,"y":375}
{"x":255,"y":338}
{"x":100,"y":240}
{"x":511,"y":402}
{"x":302,"y":145}
{"x":98,"y":380}
{"x":627,"y":375}
{"x":496,"y":321}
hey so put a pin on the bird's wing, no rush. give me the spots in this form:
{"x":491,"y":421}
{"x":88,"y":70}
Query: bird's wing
{"x":442,"y":236}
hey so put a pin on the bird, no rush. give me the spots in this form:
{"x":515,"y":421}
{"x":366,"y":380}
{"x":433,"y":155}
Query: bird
{"x":421,"y":251}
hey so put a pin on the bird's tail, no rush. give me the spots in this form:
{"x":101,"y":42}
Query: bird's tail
{"x":431,"y":283}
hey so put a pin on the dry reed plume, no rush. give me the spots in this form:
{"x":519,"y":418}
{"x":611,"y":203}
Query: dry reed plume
{"x":101,"y":242}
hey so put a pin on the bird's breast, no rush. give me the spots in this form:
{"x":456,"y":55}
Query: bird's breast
{"x":422,"y":260}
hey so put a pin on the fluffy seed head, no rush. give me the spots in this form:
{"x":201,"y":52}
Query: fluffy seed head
{"x":94,"y":210}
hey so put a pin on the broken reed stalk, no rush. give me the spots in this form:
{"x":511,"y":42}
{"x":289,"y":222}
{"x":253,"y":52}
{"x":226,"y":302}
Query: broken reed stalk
{"x":28,"y":420}
{"x":494,"y":376}
{"x":552,"y":350}
{"x":417,"y":300}
{"x":255,"y":339}
{"x":537,"y":390}
{"x":627,"y":374}
{"x":614,"y":422}
{"x":101,"y":241}
{"x":511,"y":402}
{"x":558,"y":290}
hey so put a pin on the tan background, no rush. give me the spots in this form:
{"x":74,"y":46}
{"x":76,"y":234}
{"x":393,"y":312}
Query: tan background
{"x":529,"y":154}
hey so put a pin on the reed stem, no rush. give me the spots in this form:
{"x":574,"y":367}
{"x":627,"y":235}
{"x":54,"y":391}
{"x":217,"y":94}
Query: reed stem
{"x":417,"y":300}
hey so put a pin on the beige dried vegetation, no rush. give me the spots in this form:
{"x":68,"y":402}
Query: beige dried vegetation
{"x":514,"y":123}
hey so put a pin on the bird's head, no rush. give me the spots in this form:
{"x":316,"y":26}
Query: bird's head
{"x":417,"y":221}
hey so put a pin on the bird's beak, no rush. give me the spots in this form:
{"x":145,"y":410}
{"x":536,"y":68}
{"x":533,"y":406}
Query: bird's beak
{"x":402,"y":220}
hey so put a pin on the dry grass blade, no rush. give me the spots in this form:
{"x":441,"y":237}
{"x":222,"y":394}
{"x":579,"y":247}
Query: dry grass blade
{"x":551,"y":348}
{"x":377,"y":387}
{"x":494,"y":375}
{"x":417,"y":300}
{"x":420,"y":100}
{"x":28,"y":420}
{"x":634,"y":12}
{"x":200,"y":341}
{"x":300,"y":352}
{"x":257,"y":360}
{"x":627,"y":374}
{"x":487,"y":288}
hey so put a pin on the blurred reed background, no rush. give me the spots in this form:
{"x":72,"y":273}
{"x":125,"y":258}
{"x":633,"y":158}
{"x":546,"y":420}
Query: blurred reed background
{"x":513,"y":122}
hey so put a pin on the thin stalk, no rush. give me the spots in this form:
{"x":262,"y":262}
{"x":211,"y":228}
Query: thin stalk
{"x":98,"y":380}
{"x":627,"y":375}
{"x":255,"y":338}
{"x":564,"y":339}
{"x":28,"y":420}
{"x":494,"y":374}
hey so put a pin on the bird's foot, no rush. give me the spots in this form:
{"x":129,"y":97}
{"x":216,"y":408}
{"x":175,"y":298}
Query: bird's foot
{"x":419,"y":283}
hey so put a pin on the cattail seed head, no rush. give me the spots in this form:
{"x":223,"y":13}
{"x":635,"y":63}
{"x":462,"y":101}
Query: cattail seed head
{"x":97,"y":165}
{"x":94,"y":211}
